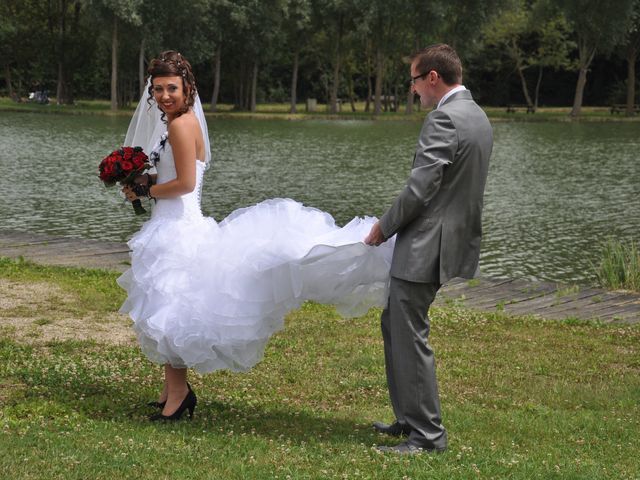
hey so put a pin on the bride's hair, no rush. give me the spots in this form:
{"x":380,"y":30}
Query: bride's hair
{"x":172,"y":64}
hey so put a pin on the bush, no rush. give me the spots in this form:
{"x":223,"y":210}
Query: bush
{"x":620,"y":265}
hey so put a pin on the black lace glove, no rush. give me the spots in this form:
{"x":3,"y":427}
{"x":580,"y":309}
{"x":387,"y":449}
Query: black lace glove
{"x":142,"y":185}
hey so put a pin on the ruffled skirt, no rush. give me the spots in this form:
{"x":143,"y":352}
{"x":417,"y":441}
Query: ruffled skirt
{"x":209,"y":296}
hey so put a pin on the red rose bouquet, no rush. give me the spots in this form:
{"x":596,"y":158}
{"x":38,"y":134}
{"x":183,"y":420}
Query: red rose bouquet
{"x":122,"y":166}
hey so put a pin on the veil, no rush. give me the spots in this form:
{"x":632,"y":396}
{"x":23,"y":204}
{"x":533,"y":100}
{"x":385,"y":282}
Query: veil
{"x":146,"y":126}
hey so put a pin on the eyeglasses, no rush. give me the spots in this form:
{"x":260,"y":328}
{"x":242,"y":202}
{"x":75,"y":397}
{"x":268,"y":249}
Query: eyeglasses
{"x":412,"y":82}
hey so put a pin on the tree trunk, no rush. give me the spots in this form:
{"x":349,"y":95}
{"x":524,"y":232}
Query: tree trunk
{"x":352,"y":95}
{"x":369,"y":89}
{"x":586,"y":54}
{"x":409,"y":108}
{"x":369,"y":94}
{"x":410,"y":95}
{"x":538,"y":83}
{"x":294,"y":81}
{"x":114,"y":65}
{"x":247,"y":92}
{"x":395,"y":98}
{"x":60,"y":97}
{"x":254,"y":86}
{"x":141,"y":79}
{"x":327,"y":95}
{"x":333,"y":102}
{"x":377,"y":104}
{"x":385,"y":97}
{"x":367,"y":105}
{"x":577,"y":99}
{"x":632,"y":53}
{"x":241,"y":95}
{"x":7,"y":77}
{"x":69,"y":72}
{"x":523,"y":82}
{"x":216,"y":77}
{"x":60,"y":90}
{"x":515,"y":54}
{"x":246,"y":85}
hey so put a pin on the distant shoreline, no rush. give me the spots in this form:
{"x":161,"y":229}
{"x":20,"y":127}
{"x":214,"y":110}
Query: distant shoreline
{"x":281,"y":112}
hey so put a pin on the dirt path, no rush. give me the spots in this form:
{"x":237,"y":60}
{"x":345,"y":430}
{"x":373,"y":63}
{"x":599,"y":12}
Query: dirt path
{"x":40,"y":312}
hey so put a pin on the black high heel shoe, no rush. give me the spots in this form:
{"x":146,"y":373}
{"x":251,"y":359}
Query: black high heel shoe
{"x":161,"y":405}
{"x":189,"y":403}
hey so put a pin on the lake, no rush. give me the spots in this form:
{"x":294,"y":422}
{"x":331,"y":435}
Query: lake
{"x":555,"y":190}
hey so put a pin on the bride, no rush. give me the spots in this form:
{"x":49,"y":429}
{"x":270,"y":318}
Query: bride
{"x":207,"y":295}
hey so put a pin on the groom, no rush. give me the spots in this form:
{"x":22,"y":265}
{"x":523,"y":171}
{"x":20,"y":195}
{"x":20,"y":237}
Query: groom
{"x":437,"y":219}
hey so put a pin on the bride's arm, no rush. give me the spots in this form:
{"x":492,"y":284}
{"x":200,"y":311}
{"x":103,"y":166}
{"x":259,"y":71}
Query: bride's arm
{"x":183,"y":143}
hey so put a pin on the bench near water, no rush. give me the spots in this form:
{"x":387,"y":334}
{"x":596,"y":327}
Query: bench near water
{"x":622,"y":108}
{"x":511,"y":108}
{"x":516,"y":296}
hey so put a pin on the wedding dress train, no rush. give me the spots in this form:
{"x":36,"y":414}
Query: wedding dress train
{"x":208,"y":295}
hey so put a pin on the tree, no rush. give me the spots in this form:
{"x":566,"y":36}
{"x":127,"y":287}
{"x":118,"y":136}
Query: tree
{"x":632,"y":47}
{"x":383,"y":21}
{"x":531,"y":35}
{"x":426,"y":22}
{"x":9,"y":38}
{"x":296,"y":26}
{"x":117,"y":12}
{"x":19,"y":59}
{"x":218,"y":21}
{"x":598,"y":27}
{"x":508,"y":31}
{"x":64,"y":24}
{"x":464,"y":20}
{"x":554,"y":47}
{"x":337,"y":19}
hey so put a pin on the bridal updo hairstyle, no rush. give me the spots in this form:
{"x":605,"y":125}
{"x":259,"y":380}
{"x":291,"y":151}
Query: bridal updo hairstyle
{"x":172,"y":64}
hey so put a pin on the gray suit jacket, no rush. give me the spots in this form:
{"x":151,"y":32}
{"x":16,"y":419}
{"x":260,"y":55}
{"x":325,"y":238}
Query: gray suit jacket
{"x":438,"y":215}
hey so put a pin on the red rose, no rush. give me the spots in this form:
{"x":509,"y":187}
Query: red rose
{"x":138,"y":162}
{"x":127,"y":166}
{"x":120,"y":164}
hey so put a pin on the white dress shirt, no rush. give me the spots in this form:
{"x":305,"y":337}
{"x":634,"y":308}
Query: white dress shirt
{"x":459,"y":88}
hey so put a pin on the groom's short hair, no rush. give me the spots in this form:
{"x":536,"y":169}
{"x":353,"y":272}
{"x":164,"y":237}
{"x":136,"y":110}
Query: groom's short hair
{"x":443,"y":59}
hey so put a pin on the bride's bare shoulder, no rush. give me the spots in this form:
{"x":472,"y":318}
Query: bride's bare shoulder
{"x":185,"y":124}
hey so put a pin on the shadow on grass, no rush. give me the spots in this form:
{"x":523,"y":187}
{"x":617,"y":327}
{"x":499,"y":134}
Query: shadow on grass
{"x":282,"y":424}
{"x":49,"y":391}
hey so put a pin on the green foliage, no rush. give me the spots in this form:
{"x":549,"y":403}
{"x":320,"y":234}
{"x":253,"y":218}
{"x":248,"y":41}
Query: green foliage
{"x":339,"y":43}
{"x":596,"y":23}
{"x":619,"y":267}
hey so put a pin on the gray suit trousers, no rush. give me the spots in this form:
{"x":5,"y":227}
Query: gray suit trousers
{"x":410,"y":362}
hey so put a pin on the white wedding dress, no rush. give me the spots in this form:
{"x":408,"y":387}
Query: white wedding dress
{"x":208,"y":296}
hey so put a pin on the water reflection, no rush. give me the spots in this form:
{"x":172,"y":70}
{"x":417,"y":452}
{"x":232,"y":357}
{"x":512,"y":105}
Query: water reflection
{"x":554,"y":190}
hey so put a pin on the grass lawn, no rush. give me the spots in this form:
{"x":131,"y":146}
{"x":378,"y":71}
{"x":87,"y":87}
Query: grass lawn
{"x":522,"y":398}
{"x":270,"y":111}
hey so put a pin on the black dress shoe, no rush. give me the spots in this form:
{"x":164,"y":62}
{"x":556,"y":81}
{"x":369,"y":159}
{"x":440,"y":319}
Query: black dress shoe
{"x":188,"y":404}
{"x":408,"y":448}
{"x":395,"y":429}
{"x":161,"y":405}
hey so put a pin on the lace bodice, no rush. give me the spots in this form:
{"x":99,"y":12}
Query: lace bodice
{"x":184,"y":206}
